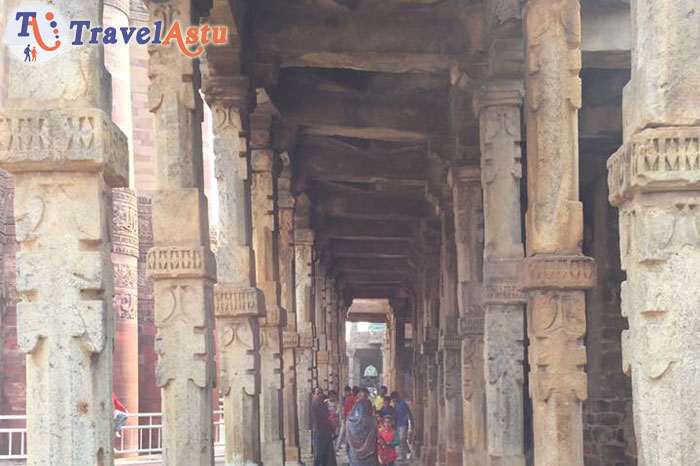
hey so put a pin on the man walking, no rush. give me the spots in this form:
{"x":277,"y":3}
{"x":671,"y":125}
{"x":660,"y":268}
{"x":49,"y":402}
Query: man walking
{"x":404,"y":421}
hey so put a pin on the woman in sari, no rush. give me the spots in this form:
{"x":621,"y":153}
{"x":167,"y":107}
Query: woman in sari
{"x":361,"y":432}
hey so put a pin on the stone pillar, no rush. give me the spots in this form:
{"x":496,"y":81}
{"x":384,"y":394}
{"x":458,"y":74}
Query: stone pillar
{"x":125,"y":254}
{"x":498,"y":109}
{"x":653,"y":179}
{"x":290,"y":338}
{"x":181,"y":263}
{"x":265,"y":227}
{"x":555,"y":273}
{"x":65,"y":153}
{"x":322,"y":356}
{"x":468,"y":214}
{"x":238,"y":304}
{"x":449,"y":345}
{"x":303,"y":270}
{"x":428,"y":353}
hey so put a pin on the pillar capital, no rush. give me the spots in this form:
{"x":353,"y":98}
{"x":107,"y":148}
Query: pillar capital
{"x":498,"y":94}
{"x":655,"y":160}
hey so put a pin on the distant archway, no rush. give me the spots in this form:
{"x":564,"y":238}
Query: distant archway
{"x":371,"y":371}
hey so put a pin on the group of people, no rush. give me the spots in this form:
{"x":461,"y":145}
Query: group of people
{"x":374,"y":430}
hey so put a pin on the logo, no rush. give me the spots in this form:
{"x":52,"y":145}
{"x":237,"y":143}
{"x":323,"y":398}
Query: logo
{"x":35,"y":33}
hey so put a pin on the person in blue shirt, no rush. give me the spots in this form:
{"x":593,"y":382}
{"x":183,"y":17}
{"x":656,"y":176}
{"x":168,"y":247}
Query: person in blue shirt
{"x":404,"y":422}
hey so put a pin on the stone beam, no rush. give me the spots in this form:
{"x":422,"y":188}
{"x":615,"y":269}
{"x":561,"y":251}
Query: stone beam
{"x":331,"y":159}
{"x":362,"y":115}
{"x":414,"y":40}
{"x":369,"y":249}
{"x":342,"y":228}
{"x":363,"y":264}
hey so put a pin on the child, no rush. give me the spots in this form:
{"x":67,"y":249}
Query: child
{"x":386,"y":442}
{"x":333,"y":415}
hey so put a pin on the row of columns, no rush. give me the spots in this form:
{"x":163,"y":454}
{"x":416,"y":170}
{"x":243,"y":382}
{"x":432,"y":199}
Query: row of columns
{"x":66,"y":154}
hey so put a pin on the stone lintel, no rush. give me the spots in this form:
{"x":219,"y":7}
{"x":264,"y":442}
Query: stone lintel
{"x":656,"y":159}
{"x":64,"y":140}
{"x":290,"y":339}
{"x":471,"y":326}
{"x":229,"y":90}
{"x":501,"y":282}
{"x":552,"y":272}
{"x":504,"y":93}
{"x":181,"y":262}
{"x":238,"y":301}
{"x":275,"y":316}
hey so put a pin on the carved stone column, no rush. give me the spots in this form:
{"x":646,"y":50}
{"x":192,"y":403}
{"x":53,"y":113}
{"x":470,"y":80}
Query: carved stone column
{"x":290,"y":337}
{"x":125,"y":253}
{"x":449,"y":344}
{"x":468,"y":224}
{"x":555,"y":273}
{"x":303,"y":270}
{"x":181,"y":263}
{"x":498,"y":109}
{"x":64,"y":151}
{"x":265,"y":244}
{"x":322,"y":356}
{"x":238,"y":304}
{"x":428,"y":350}
{"x":654,"y":180}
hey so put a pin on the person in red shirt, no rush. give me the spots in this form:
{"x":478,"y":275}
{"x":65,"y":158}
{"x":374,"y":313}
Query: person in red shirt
{"x":386,"y":442}
{"x":120,"y":414}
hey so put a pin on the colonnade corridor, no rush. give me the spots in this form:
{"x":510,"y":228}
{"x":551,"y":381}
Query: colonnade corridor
{"x":488,"y":206}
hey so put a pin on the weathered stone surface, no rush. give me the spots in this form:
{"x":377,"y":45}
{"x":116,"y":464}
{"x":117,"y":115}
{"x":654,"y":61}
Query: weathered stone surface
{"x":181,"y":264}
{"x":65,"y":153}
{"x":265,"y":245}
{"x":498,"y":108}
{"x":555,"y":273}
{"x":653,"y":179}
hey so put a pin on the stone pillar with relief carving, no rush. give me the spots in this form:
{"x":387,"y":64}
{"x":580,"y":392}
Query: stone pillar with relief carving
{"x":320,"y":311}
{"x":237,"y":303}
{"x":65,"y":153}
{"x":290,"y":336}
{"x":125,"y":254}
{"x":654,"y":179}
{"x":555,"y":273}
{"x":181,"y":264}
{"x":265,"y":245}
{"x":303,"y":270}
{"x":469,"y":234}
{"x":451,"y":420}
{"x":497,"y":105}
{"x":429,"y":343}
